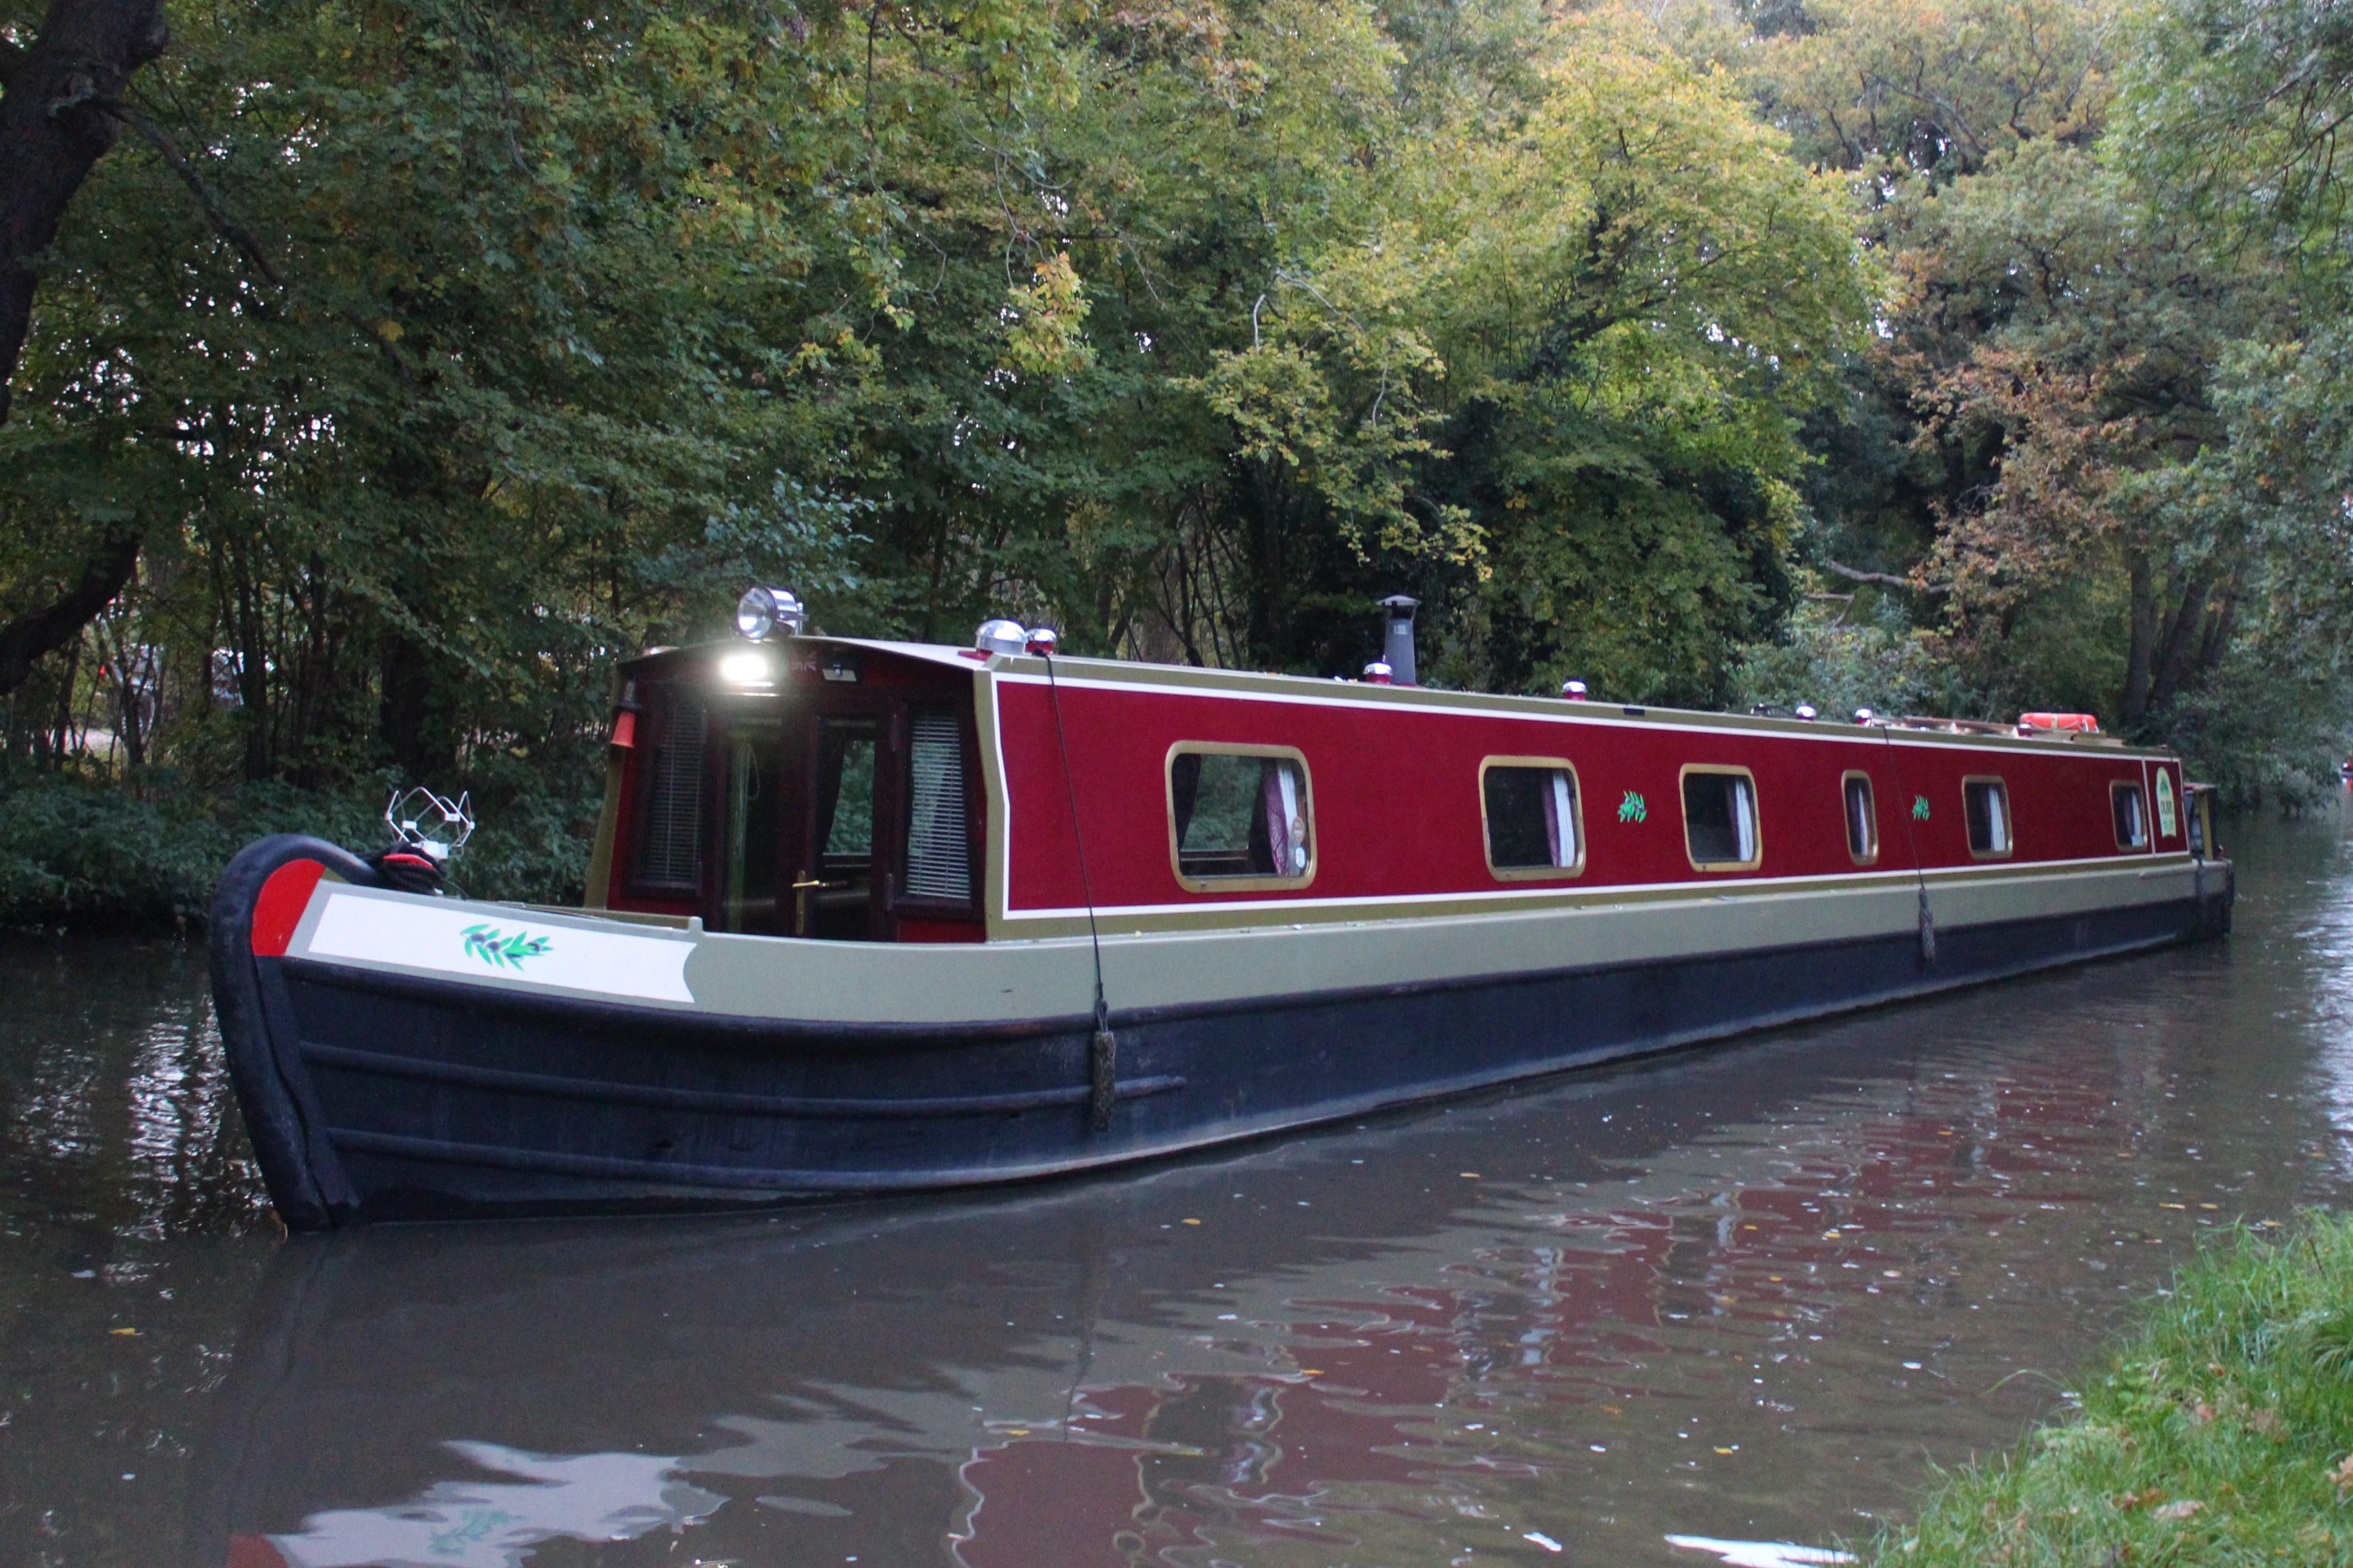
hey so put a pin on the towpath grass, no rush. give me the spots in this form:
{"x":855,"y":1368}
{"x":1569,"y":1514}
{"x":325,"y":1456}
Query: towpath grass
{"x":2220,"y":1433}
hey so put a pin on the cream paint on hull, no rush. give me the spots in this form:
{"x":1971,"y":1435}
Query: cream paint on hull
{"x":1260,"y":913}
{"x":399,"y":931}
{"x":998,"y":982}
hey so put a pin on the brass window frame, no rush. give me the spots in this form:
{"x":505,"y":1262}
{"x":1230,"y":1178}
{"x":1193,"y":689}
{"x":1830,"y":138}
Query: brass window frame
{"x":1251,"y":884}
{"x":2148,"y":826}
{"x":1486,"y":837}
{"x":1756,"y":804}
{"x":2009,"y":818}
{"x":1871,"y":793}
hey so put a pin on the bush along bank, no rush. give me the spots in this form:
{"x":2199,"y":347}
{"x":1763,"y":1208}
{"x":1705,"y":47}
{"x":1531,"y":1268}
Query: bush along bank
{"x":2220,"y":1432}
{"x":77,"y":851}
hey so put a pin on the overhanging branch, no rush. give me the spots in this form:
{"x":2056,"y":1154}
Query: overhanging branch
{"x":36,"y":632}
{"x":177,"y":162}
{"x":1892,"y":581}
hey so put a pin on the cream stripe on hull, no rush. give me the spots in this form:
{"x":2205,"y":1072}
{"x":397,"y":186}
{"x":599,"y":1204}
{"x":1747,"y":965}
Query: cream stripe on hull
{"x":1013,"y":982}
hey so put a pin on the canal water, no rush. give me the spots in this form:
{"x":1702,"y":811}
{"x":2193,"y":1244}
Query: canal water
{"x":1749,"y":1294}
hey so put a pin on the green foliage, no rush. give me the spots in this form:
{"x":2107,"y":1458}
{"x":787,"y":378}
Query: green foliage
{"x":2077,"y":438}
{"x":1645,"y":297}
{"x":1898,"y":87}
{"x":1840,"y":664}
{"x":2220,"y":1432}
{"x":76,"y":850}
{"x":497,"y":341}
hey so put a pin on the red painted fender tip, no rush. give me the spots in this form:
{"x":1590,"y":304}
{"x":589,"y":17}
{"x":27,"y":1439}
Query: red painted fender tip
{"x":278,"y":907}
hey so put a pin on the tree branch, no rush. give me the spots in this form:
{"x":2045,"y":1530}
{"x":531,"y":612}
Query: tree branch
{"x":1892,"y":581}
{"x":36,"y":632}
{"x":239,"y":236}
{"x":177,"y":162}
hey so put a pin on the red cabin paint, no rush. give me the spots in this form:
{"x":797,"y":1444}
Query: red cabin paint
{"x":1397,"y":804}
{"x":1393,"y":774}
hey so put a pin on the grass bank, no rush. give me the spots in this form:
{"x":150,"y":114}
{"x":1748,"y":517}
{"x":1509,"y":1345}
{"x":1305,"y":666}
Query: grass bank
{"x":2218,"y":1433}
{"x":91,"y":851}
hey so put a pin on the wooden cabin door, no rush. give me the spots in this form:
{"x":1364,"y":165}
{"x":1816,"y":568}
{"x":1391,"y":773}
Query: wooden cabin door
{"x":754,"y":785}
{"x":838,"y":887}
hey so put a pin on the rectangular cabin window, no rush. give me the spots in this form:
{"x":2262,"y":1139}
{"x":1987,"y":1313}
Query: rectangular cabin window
{"x":1239,"y":816}
{"x":1985,"y":803}
{"x":1720,"y":820}
{"x":1861,"y":819}
{"x":2131,"y":814}
{"x":1531,"y":809}
{"x":939,"y":849}
{"x":669,"y":823}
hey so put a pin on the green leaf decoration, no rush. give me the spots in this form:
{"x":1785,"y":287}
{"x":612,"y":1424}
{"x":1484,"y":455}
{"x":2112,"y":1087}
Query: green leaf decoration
{"x":1633,"y":808}
{"x":499,"y":951}
{"x":1919,"y":808}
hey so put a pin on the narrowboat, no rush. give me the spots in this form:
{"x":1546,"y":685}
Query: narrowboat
{"x":867,"y":916}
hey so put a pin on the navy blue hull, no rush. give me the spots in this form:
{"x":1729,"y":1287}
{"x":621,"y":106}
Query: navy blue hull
{"x":374,"y":1097}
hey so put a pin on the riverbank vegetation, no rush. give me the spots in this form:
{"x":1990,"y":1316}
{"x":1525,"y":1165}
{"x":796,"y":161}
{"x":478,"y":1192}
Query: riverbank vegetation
{"x":396,"y":364}
{"x":2222,"y":1431}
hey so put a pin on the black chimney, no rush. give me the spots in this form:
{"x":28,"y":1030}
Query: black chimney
{"x":1397,"y":644}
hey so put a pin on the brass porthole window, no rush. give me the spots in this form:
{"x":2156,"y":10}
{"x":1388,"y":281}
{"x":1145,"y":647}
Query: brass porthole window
{"x":1722,"y":829}
{"x":1532,"y":818}
{"x":1861,"y":808}
{"x":1985,"y":806}
{"x":1239,"y":817}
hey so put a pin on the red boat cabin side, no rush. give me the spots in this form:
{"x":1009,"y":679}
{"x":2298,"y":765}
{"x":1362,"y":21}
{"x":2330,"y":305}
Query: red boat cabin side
{"x":842,"y":790}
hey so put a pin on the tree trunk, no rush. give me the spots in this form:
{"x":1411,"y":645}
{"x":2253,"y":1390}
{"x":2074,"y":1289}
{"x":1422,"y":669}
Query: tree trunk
{"x":54,"y":128}
{"x":2180,"y":640}
{"x":408,"y":716}
{"x":2143,"y":649}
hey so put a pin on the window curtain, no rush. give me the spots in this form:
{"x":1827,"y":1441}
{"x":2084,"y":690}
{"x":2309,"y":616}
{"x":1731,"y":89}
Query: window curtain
{"x":1560,"y":819}
{"x":1183,"y":785}
{"x":1744,"y":817}
{"x":1286,"y":829}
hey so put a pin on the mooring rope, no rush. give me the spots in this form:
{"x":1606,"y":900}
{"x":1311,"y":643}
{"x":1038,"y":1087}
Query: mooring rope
{"x":1912,"y":842}
{"x":1102,"y":1055}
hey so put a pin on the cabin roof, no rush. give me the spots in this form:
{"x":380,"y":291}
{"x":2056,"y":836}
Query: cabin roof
{"x":924,"y":653}
{"x":1325,"y":689}
{"x":1135,"y":672}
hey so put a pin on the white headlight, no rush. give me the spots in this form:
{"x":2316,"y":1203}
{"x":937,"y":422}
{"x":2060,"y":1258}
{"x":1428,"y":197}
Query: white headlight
{"x":748,"y":667}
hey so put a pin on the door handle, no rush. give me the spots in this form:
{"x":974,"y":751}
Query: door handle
{"x":802,"y":889}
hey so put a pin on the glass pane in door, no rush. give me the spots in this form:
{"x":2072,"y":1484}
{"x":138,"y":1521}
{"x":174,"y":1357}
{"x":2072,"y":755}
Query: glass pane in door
{"x":748,"y":892}
{"x":837,"y":894}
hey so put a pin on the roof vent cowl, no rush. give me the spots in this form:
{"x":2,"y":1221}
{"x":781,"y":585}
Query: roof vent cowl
{"x":1397,"y":638}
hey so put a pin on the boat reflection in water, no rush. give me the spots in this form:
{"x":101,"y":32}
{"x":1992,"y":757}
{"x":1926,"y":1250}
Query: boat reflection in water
{"x":1667,"y":1302}
{"x":488,"y":1524}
